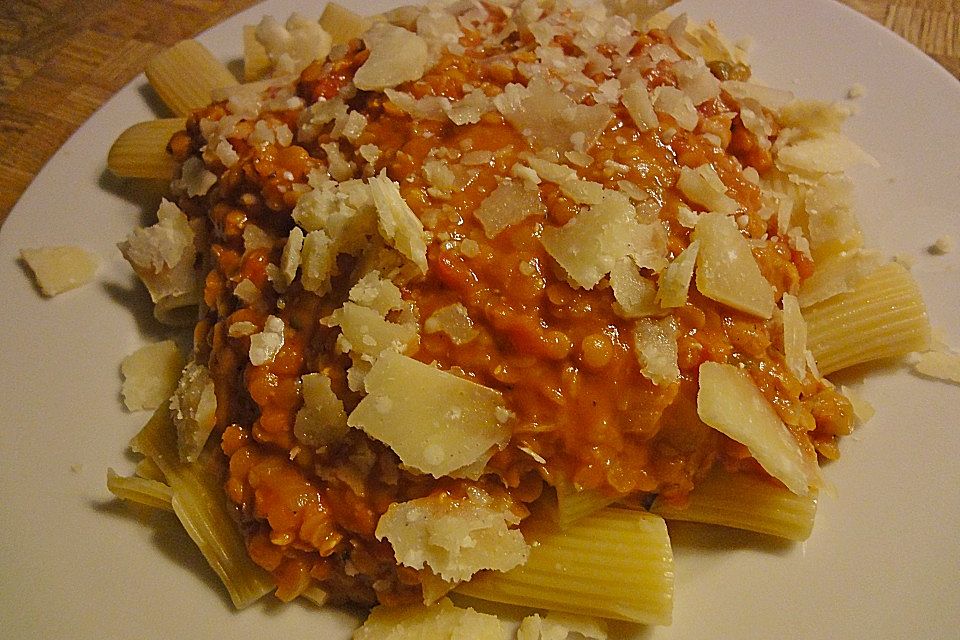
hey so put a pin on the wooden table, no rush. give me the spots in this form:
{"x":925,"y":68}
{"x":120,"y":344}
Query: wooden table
{"x":61,"y":59}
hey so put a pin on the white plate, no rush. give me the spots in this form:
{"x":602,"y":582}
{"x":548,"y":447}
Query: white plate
{"x":884,"y":558}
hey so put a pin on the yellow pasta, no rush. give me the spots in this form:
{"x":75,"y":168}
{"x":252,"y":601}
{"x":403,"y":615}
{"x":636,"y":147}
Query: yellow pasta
{"x":882,"y":317}
{"x":615,"y":563}
{"x":185,"y":74}
{"x":140,"y":490}
{"x":256,"y":62}
{"x":141,"y":150}
{"x":572,"y":505}
{"x":746,"y":502}
{"x":198,"y":501}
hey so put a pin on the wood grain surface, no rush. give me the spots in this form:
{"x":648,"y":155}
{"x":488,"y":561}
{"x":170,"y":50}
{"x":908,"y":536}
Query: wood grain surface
{"x":61,"y":59}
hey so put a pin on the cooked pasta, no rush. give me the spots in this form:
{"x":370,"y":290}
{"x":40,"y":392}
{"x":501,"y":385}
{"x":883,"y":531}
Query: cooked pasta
{"x":746,"y":502}
{"x":141,"y":150}
{"x":185,"y":75}
{"x":615,"y":563}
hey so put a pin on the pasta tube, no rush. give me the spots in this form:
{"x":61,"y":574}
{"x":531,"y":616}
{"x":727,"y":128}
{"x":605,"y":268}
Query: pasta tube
{"x":185,"y":74}
{"x":615,"y":563}
{"x":882,"y":317}
{"x":198,"y":501}
{"x":141,"y":150}
{"x":745,"y":502}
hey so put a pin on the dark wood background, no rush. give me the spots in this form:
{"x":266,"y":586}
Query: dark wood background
{"x":61,"y":59}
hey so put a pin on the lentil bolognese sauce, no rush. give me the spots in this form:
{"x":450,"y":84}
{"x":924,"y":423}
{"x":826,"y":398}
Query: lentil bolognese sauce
{"x":544,"y":225}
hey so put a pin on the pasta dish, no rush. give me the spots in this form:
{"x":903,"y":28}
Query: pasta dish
{"x":482,"y":294}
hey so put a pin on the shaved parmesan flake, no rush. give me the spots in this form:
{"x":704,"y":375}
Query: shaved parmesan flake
{"x":367,"y":333}
{"x":794,"y":337}
{"x":676,"y":104}
{"x":163,"y":255}
{"x":454,"y":537}
{"x":294,"y":45}
{"x":550,"y":118}
{"x":558,"y":626}
{"x":150,"y":375}
{"x":511,"y":202}
{"x":396,"y":56}
{"x":193,"y":409}
{"x":634,"y":295}
{"x":832,"y":153}
{"x":290,"y":259}
{"x":398,"y":224}
{"x":589,"y":245}
{"x":675,"y":280}
{"x":704,"y":187}
{"x":832,"y":226}
{"x":435,"y":421}
{"x":59,"y":269}
{"x":454,"y":321}
{"x":726,"y":269}
{"x":441,"y":621}
{"x":941,"y":365}
{"x":265,"y":346}
{"x":751,"y":92}
{"x":837,"y":275}
{"x":636,"y":99}
{"x":862,"y":409}
{"x":322,"y":419}
{"x":655,"y":344}
{"x":731,"y":403}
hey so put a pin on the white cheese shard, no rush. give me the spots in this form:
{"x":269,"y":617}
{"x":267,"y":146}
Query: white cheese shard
{"x":558,"y":626}
{"x":322,"y":419}
{"x":293,"y":45}
{"x":195,"y":179}
{"x":550,"y":118}
{"x":731,"y":403}
{"x":832,"y":225}
{"x":193,"y":409}
{"x":655,"y":346}
{"x":939,"y":364}
{"x":434,"y":420}
{"x":696,"y":81}
{"x":150,"y":375}
{"x":634,"y":295}
{"x":396,"y":56}
{"x":636,"y":99}
{"x":831,"y":153}
{"x":368,"y":334}
{"x":511,"y":202}
{"x":837,"y":274}
{"x":794,"y":337}
{"x":441,"y":621}
{"x":704,"y":187}
{"x":59,"y":269}
{"x":863,"y":411}
{"x":265,"y":346}
{"x":290,"y":259}
{"x":751,"y":93}
{"x":398,"y":224}
{"x":454,"y":321}
{"x":454,"y":537}
{"x":675,"y":281}
{"x":164,"y":255}
{"x":726,"y":269}
{"x":676,"y":104}
{"x":589,"y":245}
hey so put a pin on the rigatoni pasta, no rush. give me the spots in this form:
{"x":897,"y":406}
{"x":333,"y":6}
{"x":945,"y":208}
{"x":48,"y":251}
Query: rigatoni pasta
{"x":484,"y":293}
